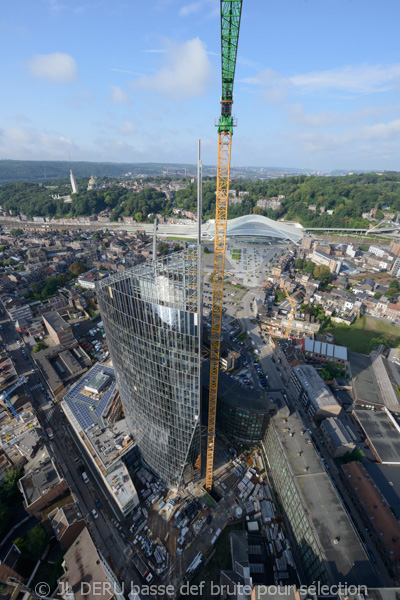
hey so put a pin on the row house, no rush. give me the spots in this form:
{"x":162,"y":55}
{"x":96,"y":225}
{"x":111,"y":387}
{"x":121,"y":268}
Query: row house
{"x":289,"y":354}
{"x":376,"y":308}
{"x":381,"y":524}
{"x":392,"y":311}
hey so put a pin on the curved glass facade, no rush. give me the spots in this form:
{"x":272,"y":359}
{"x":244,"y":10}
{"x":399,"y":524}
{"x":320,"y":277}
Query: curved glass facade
{"x":152,"y":319}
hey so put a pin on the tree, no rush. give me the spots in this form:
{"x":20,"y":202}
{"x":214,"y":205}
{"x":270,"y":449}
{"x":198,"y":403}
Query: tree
{"x":36,"y":541}
{"x":20,"y":543}
{"x":39,"y":347}
{"x":9,"y":492}
{"x":62,"y":279}
{"x":323,"y":274}
{"x":377,"y":295}
{"x":310,"y":266}
{"x":16,"y":231}
{"x":162,"y":248}
{"x":395,"y":284}
{"x":77,"y":268}
{"x":50,"y":288}
{"x":392,"y":293}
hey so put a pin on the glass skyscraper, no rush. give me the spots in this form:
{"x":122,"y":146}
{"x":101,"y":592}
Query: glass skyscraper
{"x":152,"y":319}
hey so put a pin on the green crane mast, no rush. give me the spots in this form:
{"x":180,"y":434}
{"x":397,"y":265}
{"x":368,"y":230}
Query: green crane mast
{"x":231,"y":11}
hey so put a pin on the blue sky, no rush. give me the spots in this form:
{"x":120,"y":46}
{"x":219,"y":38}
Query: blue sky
{"x":317,"y":82}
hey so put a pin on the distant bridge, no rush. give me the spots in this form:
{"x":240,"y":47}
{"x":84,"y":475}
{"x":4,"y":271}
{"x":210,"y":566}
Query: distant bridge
{"x":335,"y":229}
{"x":382,"y":227}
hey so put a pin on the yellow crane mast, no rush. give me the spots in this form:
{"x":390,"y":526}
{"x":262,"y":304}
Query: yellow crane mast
{"x":230,"y":24}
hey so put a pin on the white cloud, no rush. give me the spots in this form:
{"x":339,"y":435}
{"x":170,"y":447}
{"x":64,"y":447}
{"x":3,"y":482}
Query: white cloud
{"x":54,"y":5}
{"x":351,"y":79}
{"x":359,"y":79}
{"x":125,"y":71}
{"x":207,"y":9}
{"x":57,"y":67}
{"x":155,"y":51}
{"x":297,"y":114}
{"x":383,"y":131}
{"x":190,"y":9}
{"x":81,"y":100}
{"x":28,"y":143}
{"x":348,"y":140}
{"x":187,"y":71}
{"x":126,"y":128}
{"x":118,"y":95}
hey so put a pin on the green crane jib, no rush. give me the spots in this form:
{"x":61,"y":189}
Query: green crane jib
{"x":231,"y":11}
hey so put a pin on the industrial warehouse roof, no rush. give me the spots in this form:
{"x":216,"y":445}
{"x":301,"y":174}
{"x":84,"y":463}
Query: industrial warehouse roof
{"x":256,"y":226}
{"x":372,"y":382}
{"x":382,"y":432}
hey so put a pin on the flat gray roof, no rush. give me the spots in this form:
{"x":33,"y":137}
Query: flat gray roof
{"x":347,"y":560}
{"x":381,"y":432}
{"x":55,"y":320}
{"x":42,"y":476}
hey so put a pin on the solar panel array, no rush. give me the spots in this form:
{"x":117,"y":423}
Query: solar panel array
{"x":81,"y":405}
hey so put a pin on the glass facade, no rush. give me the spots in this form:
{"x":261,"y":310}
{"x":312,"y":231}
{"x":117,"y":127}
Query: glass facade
{"x":152,"y":319}
{"x":242,"y":423}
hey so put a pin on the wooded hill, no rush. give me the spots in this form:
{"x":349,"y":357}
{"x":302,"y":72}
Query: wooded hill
{"x":348,"y":197}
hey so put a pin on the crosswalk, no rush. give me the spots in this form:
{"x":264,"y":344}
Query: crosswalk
{"x":49,"y":414}
{"x":35,"y":387}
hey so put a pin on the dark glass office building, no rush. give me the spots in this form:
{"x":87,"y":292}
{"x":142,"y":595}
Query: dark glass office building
{"x":152,"y":319}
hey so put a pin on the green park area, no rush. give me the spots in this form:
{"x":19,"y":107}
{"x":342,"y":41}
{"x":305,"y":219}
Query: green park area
{"x":236,"y":253}
{"x":364,"y":333}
